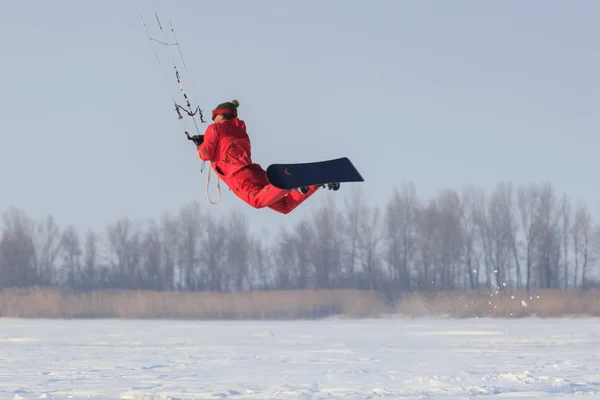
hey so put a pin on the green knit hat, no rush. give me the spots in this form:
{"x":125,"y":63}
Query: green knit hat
{"x":227,"y":108}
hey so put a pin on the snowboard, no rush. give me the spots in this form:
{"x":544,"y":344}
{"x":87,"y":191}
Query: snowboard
{"x":295,"y":175}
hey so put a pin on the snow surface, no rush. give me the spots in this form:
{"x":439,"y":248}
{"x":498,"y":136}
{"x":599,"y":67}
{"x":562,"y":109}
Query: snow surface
{"x":393,"y":358}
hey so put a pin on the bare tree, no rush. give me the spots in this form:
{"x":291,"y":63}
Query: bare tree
{"x":238,"y":249}
{"x":284,"y":257}
{"x":47,"y":244}
{"x":481,"y":220}
{"x":327,"y":248}
{"x":501,"y":232}
{"x":260,"y":262}
{"x":450,"y":238}
{"x":90,"y":278}
{"x":213,"y":254}
{"x":528,"y":199}
{"x":565,"y":211}
{"x":152,"y":259}
{"x":428,"y":247}
{"x":401,"y":235}
{"x":549,"y":243}
{"x":302,"y":247}
{"x":72,"y":256}
{"x":4,"y":266}
{"x":352,"y":219}
{"x":18,"y":250}
{"x":471,"y":250}
{"x":369,"y":246}
{"x":170,"y":235}
{"x":124,"y":253}
{"x":192,"y":226}
{"x":580,"y":233}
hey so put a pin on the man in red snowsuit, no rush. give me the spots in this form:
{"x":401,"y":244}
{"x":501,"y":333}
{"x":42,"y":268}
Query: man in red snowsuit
{"x":226,"y":145}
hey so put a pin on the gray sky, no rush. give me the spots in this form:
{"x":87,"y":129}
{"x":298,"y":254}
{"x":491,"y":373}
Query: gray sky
{"x":439,"y":93}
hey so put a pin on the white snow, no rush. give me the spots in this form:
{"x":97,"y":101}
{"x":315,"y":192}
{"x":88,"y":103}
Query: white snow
{"x":393,"y":358}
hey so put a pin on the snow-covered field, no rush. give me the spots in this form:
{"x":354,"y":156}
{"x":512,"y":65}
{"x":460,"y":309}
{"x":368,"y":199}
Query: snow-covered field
{"x":327,"y":359}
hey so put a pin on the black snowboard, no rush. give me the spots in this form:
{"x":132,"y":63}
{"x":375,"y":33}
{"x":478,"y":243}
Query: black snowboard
{"x":292,"y":176}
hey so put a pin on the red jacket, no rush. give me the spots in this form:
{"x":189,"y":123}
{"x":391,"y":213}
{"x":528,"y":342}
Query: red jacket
{"x":227,"y":146}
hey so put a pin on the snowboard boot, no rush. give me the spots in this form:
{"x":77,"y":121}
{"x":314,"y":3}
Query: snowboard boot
{"x":332,"y":186}
{"x":303,"y":189}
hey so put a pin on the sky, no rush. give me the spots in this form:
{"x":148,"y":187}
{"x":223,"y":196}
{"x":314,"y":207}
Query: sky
{"x":441,"y":94}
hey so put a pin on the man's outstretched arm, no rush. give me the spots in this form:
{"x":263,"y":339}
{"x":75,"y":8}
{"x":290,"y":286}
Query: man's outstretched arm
{"x":208,"y":147}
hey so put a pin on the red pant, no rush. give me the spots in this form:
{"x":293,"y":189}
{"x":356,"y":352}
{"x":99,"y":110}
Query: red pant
{"x":251,"y":185}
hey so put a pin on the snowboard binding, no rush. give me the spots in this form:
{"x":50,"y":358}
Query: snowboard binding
{"x":331,"y":186}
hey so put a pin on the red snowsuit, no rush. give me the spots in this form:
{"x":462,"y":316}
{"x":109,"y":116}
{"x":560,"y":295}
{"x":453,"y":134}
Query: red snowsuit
{"x":227,"y":146}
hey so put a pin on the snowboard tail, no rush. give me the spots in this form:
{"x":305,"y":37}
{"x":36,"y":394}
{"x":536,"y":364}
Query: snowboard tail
{"x":295,"y":175}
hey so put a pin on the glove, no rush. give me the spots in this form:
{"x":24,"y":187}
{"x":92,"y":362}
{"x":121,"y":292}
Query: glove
{"x":197,"y":139}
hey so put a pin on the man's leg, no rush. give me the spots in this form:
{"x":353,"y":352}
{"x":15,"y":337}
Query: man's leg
{"x":292,"y":200}
{"x":254,"y":188}
{"x":259,"y":197}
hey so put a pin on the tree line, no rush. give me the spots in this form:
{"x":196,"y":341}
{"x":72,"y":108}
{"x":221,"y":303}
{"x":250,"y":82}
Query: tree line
{"x":515,"y":237}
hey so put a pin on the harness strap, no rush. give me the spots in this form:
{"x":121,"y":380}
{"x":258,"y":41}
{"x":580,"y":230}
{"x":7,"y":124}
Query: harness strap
{"x":218,"y":188}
